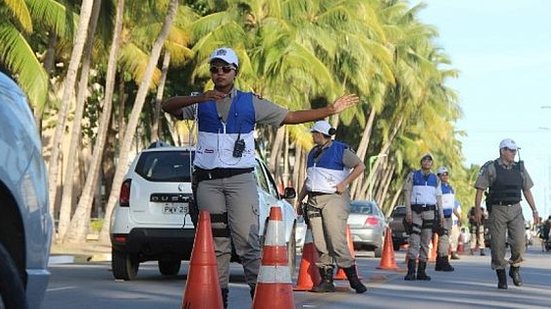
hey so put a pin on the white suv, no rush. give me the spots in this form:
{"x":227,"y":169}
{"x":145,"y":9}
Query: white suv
{"x":154,"y":221}
{"x":25,"y":225}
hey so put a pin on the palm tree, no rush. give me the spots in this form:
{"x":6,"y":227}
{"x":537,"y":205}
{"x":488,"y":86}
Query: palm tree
{"x":18,"y":20}
{"x":68,"y":181}
{"x":134,"y":116}
{"x":82,"y":212}
{"x":68,"y":94}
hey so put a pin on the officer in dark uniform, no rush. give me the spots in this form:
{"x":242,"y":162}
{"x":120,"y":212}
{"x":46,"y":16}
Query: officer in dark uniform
{"x":505,"y":179}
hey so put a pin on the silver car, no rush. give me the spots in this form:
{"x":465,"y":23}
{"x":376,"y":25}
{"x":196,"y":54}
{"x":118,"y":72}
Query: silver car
{"x":367,"y":226}
{"x":25,"y":225}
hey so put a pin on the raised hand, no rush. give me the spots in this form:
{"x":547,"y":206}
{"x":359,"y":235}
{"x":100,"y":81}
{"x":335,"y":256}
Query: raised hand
{"x":345,"y":102}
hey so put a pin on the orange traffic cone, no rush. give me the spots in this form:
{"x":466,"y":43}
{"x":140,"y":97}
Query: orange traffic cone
{"x":274,"y":288}
{"x":340,"y":275}
{"x":388,"y":261}
{"x":202,"y":287}
{"x":434,"y":249}
{"x":309,"y":275}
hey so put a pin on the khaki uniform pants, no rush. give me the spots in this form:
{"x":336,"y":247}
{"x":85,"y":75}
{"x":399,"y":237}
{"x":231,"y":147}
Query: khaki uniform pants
{"x":506,"y":222}
{"x":454,"y":237}
{"x":420,"y":237}
{"x":237,"y":197}
{"x":477,"y":237}
{"x":329,"y":229}
{"x":444,"y":239}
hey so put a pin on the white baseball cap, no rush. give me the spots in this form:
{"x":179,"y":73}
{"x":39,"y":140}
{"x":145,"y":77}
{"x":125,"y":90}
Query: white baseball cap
{"x":427,"y":155}
{"x":441,"y":170}
{"x":322,"y":127}
{"x":226,"y":54}
{"x":508,"y":143}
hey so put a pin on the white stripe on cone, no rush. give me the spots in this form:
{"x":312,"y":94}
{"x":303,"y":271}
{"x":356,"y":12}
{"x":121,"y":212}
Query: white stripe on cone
{"x":275,"y":234}
{"x":274,"y":274}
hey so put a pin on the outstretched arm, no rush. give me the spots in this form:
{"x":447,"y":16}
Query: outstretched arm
{"x":342,"y":103}
{"x":174,"y":105}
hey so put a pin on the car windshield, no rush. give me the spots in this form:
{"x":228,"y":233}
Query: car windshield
{"x":399,"y":212}
{"x":361,"y":208}
{"x":171,"y":166}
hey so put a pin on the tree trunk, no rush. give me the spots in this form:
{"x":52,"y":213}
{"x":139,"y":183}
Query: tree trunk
{"x":85,"y":202}
{"x":68,"y":93}
{"x":157,"y":127}
{"x":134,"y":117}
{"x":362,"y":150}
{"x":68,"y":181}
{"x":273,"y":161}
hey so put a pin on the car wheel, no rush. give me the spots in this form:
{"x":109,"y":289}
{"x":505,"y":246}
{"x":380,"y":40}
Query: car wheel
{"x":292,"y":252}
{"x":378,"y":252}
{"x":125,"y":266}
{"x":12,"y":293}
{"x":169,"y":268}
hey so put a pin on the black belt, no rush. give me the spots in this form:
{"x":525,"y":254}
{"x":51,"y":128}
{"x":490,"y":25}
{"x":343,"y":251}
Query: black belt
{"x":505,"y":203}
{"x":318,"y":193}
{"x":218,"y":173}
{"x":424,"y":207}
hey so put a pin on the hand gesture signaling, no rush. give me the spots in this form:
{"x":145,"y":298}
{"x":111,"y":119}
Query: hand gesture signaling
{"x":213,"y":95}
{"x":345,"y":102}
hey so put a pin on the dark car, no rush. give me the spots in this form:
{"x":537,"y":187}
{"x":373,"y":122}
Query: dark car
{"x":399,"y":235}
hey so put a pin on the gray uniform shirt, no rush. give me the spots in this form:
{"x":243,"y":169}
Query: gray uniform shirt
{"x":266,"y":112}
{"x":487,"y":175}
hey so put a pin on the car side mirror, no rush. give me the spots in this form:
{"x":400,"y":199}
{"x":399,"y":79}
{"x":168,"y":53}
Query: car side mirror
{"x":289,"y":193}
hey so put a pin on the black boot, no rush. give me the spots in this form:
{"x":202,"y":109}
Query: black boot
{"x":326,"y":284}
{"x":421,"y":274}
{"x":514,"y":272}
{"x":355,"y":283}
{"x":443,"y":264}
{"x":482,"y":253}
{"x":225,"y":292}
{"x":411,"y":270}
{"x":501,"y":279}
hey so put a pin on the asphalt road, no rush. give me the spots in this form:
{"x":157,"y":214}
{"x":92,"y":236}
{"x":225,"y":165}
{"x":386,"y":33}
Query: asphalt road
{"x":471,"y":285}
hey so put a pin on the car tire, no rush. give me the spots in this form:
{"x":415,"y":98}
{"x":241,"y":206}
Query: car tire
{"x":378,"y":252}
{"x":12,"y":293}
{"x":292,"y":251}
{"x":125,"y":266}
{"x":169,"y":267}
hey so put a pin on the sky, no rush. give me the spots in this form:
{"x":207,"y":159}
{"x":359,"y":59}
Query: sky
{"x":503,"y":52}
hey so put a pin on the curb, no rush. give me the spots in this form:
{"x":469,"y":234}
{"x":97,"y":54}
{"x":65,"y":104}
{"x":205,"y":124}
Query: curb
{"x":78,"y":259}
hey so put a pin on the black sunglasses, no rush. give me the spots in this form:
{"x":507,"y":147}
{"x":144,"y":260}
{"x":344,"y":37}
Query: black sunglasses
{"x":226,"y":69}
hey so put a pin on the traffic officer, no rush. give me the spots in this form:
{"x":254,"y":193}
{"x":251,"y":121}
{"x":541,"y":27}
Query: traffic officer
{"x":448,"y":204}
{"x":455,"y":233}
{"x":505,"y":179}
{"x":225,"y":158}
{"x":423,"y":199}
{"x":331,"y":167}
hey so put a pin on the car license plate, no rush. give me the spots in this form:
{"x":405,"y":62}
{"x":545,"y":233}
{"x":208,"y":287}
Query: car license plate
{"x":175,"y":209}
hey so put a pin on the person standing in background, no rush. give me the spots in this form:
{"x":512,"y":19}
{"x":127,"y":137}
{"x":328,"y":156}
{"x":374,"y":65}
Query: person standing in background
{"x":448,"y":204}
{"x":422,"y":198}
{"x":456,"y":226}
{"x":331,"y":167}
{"x":477,"y":230}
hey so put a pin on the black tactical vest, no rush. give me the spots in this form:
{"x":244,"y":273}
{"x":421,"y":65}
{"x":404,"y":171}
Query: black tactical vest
{"x":507,"y":186}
